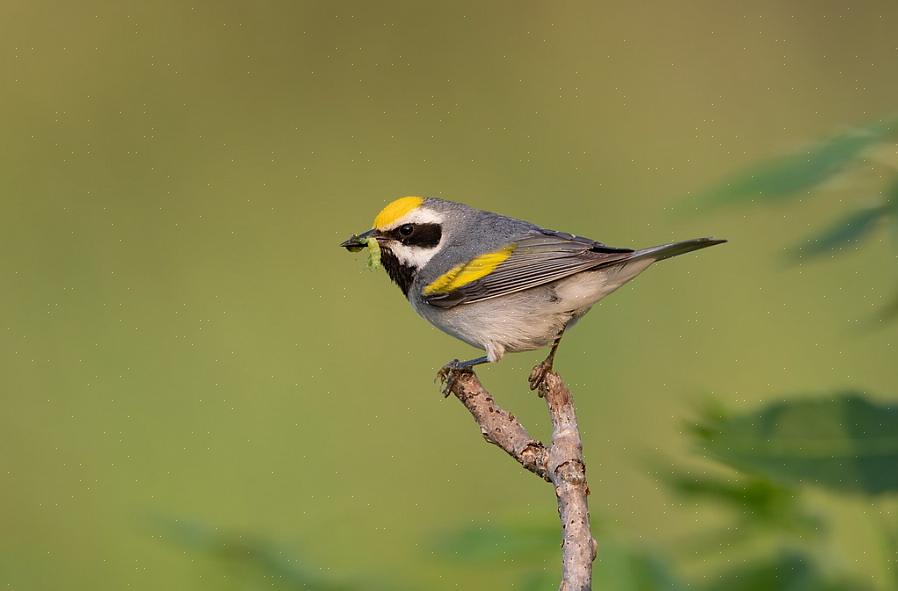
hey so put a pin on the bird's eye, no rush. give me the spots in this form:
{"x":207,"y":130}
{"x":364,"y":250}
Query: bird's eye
{"x":405,"y":230}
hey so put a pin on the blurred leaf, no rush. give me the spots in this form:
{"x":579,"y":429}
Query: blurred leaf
{"x":892,"y":209}
{"x":760,"y":501}
{"x":787,"y":176}
{"x":709,"y":544}
{"x":756,"y":495}
{"x":257,"y":556}
{"x":785,"y":572}
{"x":844,"y":442}
{"x":850,"y":229}
{"x":491,"y":544}
{"x":538,"y":580}
{"x":892,"y":555}
{"x":892,"y":195}
{"x":617,"y":567}
{"x":626,"y":569}
{"x":890,"y":311}
{"x":711,"y":414}
{"x":890,"y":543}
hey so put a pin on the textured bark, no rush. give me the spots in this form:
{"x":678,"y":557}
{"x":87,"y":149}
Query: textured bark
{"x":561,"y":463}
{"x":567,"y":472}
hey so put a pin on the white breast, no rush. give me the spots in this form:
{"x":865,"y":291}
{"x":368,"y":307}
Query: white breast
{"x":529,"y":319}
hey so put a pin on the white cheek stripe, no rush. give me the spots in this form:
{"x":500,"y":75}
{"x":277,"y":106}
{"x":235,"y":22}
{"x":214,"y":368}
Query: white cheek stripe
{"x":416,"y":256}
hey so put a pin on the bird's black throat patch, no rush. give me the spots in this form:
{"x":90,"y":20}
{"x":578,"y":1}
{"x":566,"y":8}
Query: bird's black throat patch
{"x":402,"y":275}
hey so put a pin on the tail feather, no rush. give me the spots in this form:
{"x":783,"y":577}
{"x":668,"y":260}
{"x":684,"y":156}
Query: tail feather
{"x":666,"y":251}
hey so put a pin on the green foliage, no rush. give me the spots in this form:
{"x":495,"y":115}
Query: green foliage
{"x":254,"y":562}
{"x":798,"y":174}
{"x":784,"y":572}
{"x":624,"y":568}
{"x":759,"y":502}
{"x":890,"y":542}
{"x":890,"y":310}
{"x":618,"y":567}
{"x":843,"y":442}
{"x":892,"y":195}
{"x":490,"y":543}
{"x":850,"y":229}
{"x":790,"y":175}
{"x":538,"y":580}
{"x":630,"y":569}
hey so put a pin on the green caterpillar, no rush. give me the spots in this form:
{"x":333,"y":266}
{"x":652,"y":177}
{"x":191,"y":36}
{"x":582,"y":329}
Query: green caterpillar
{"x":373,"y":254}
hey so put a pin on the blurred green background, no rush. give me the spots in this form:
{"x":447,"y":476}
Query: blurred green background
{"x":183,"y":340}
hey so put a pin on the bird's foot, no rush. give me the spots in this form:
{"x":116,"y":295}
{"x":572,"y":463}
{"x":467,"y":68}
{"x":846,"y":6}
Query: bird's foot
{"x":539,"y":373}
{"x":449,"y":373}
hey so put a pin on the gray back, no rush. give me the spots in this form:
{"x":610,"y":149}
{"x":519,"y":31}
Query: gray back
{"x":469,"y":233}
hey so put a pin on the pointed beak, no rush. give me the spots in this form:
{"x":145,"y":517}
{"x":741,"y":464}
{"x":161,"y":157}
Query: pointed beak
{"x":356,"y":243}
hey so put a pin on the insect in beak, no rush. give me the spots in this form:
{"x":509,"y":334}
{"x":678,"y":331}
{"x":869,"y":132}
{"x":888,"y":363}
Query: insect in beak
{"x":356,"y":243}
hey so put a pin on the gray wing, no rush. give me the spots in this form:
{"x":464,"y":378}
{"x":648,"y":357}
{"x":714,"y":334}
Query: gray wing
{"x":541,"y":258}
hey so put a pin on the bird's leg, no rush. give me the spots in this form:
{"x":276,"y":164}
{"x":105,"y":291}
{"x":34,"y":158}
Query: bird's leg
{"x":449,"y":372}
{"x":540,"y":370}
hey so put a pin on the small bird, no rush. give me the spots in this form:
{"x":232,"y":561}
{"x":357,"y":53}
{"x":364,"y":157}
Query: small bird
{"x":498,"y":283}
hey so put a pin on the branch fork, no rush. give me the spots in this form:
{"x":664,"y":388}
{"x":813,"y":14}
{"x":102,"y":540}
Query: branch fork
{"x":561,"y":463}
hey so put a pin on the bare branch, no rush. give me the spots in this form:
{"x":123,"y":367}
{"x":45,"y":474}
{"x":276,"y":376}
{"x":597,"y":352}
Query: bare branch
{"x":568,"y":473}
{"x":561,"y":464}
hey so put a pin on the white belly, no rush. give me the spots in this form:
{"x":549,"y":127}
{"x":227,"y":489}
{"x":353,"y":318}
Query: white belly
{"x":533,"y":318}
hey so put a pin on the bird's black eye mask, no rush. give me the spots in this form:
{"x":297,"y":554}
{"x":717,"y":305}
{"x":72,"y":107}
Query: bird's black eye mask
{"x":420,"y":235}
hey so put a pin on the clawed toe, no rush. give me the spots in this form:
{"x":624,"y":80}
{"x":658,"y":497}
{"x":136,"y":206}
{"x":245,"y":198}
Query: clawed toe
{"x":449,"y":373}
{"x":447,"y":369}
{"x":538,"y":374}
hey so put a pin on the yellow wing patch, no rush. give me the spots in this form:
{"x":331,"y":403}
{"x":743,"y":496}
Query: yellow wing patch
{"x":466,"y":273}
{"x":395,"y":210}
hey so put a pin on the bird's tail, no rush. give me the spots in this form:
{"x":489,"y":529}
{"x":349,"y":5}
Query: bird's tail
{"x":666,"y":251}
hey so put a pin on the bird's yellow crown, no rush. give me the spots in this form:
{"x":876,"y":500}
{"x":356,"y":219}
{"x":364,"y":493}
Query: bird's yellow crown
{"x":395,"y":210}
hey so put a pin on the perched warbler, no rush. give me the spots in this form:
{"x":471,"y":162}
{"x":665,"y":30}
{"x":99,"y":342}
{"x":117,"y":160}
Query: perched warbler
{"x":499,"y":283}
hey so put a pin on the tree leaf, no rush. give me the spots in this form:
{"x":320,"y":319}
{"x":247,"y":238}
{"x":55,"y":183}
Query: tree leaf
{"x":617,"y":567}
{"x":786,"y":176}
{"x":891,"y":206}
{"x":784,"y":572}
{"x":890,"y":311}
{"x":850,"y":229}
{"x":256,"y":559}
{"x":492,"y":544}
{"x":843,"y":442}
{"x":759,"y":501}
{"x":628,"y":569}
{"x":752,"y":495}
{"x":892,"y":195}
{"x":538,"y":580}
